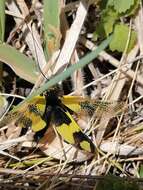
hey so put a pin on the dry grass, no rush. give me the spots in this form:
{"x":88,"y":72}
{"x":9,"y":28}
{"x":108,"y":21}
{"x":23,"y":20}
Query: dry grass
{"x":117,"y":134}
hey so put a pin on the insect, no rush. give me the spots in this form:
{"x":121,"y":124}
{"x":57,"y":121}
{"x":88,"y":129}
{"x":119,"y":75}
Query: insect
{"x":51,"y":109}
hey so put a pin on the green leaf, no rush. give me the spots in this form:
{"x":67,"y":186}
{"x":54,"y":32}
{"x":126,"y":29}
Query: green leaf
{"x":110,"y":2}
{"x":122,"y":5}
{"x":2,"y":20}
{"x":108,"y":18}
{"x":141,"y":171}
{"x":120,"y":38}
{"x":23,"y":66}
{"x":133,"y":9}
{"x":51,"y":23}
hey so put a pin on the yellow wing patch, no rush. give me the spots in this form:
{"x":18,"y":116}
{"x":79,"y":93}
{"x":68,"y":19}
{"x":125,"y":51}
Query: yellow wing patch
{"x":28,"y":115}
{"x":72,"y":102}
{"x":73,"y":134}
{"x":82,"y":105}
{"x":66,"y":131}
{"x":85,"y":146}
{"x":34,"y":111}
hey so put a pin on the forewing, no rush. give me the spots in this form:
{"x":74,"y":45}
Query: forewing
{"x":28,"y":114}
{"x":88,"y":106}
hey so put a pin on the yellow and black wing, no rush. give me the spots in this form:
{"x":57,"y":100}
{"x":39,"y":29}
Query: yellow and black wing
{"x":31,"y":114}
{"x":28,"y":115}
{"x":34,"y":112}
{"x":70,"y":131}
{"x":88,"y":106}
